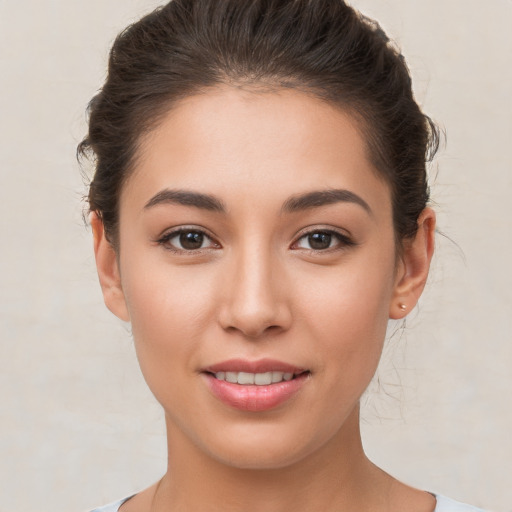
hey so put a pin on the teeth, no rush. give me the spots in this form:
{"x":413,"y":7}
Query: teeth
{"x":232,"y":377}
{"x":245,"y":378}
{"x":263,"y":379}
{"x":277,"y":377}
{"x":259,"y":379}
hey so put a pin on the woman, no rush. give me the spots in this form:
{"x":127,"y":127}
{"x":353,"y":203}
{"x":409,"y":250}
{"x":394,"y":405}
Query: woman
{"x":260,"y":210}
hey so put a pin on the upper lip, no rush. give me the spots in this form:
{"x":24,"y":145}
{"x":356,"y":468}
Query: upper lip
{"x":259,"y":366}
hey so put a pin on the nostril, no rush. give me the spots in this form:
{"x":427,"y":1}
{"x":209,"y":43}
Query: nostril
{"x":264,"y":331}
{"x":254,"y":316}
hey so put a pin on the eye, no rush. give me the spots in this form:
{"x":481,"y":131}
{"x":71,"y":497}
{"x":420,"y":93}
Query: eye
{"x":322,"y":240}
{"x":187,"y":240}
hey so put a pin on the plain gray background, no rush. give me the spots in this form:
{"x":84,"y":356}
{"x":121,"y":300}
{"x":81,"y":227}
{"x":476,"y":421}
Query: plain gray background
{"x":78,"y":427}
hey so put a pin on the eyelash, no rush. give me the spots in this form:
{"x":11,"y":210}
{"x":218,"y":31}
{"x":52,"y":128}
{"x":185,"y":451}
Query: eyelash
{"x":167,"y":237}
{"x":343,"y":241}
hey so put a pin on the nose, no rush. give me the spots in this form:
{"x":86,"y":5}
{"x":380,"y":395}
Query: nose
{"x":255,"y":302}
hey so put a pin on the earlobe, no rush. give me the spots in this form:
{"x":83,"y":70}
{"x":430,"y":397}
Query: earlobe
{"x":108,"y":270}
{"x":414,"y":266}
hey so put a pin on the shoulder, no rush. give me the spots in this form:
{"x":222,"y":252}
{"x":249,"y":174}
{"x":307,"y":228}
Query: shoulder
{"x":448,"y":505}
{"x":112,"y":507}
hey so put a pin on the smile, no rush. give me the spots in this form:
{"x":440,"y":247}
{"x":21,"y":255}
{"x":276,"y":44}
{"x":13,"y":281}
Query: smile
{"x":258,"y":379}
{"x":255,"y":386}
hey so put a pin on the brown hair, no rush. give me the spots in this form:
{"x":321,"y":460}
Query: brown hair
{"x":321,"y":46}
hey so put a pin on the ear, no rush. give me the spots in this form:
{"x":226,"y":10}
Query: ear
{"x":412,"y":271}
{"x":108,"y":270}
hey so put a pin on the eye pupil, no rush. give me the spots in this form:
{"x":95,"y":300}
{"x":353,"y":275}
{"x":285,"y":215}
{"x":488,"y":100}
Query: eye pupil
{"x":191,"y":240}
{"x":320,"y":240}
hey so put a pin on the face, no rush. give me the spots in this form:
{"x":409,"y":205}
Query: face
{"x":257,"y":266}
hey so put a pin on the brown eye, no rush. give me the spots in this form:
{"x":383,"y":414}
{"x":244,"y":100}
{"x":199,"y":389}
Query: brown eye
{"x":319,"y":241}
{"x":187,"y":240}
{"x":323,"y":240}
{"x":191,"y":240}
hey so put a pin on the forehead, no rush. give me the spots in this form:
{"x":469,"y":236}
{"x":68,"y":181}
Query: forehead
{"x":236,"y":142}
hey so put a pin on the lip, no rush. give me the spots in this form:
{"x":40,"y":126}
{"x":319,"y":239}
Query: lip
{"x":259,"y":366}
{"x":254,"y":398}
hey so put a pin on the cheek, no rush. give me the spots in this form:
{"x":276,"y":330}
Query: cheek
{"x":347,"y":316}
{"x":170,"y":308}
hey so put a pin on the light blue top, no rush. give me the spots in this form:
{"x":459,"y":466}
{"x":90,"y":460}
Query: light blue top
{"x":443,"y":505}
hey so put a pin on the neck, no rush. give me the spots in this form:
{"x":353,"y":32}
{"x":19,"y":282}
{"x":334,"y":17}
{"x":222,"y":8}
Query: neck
{"x":338,"y":476}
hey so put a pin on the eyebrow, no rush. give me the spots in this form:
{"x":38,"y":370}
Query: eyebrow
{"x":294,"y":204}
{"x":323,"y":198}
{"x":187,"y":198}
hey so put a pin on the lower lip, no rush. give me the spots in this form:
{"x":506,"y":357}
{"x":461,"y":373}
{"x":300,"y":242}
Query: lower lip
{"x":252,"y":397}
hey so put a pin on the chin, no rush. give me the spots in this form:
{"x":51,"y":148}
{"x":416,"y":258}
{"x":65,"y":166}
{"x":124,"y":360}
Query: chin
{"x":257,"y":457}
{"x":263,"y":447}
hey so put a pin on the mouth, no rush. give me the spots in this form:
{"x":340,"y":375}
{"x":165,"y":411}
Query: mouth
{"x":255,"y":386}
{"x":256,"y":379}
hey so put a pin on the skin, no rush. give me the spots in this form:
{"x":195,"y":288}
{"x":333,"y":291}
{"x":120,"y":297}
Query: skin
{"x":258,"y":289}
